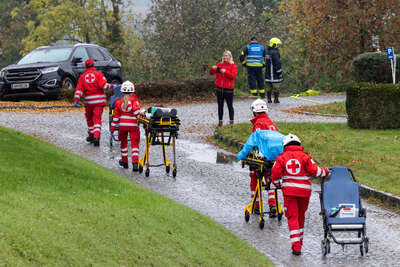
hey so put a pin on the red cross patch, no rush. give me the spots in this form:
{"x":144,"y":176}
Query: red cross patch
{"x":90,"y":78}
{"x":293,"y":166}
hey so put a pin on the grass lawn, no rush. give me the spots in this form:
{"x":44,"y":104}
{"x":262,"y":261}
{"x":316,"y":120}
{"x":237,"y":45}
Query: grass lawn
{"x":373,"y":155}
{"x":336,"y":108}
{"x":58,"y":209}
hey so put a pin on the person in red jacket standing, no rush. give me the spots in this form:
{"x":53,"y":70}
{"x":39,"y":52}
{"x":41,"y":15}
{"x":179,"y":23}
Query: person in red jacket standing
{"x":294,"y":167}
{"x":92,"y":84}
{"x":226,"y":72}
{"x":261,"y":121}
{"x":126,"y":111}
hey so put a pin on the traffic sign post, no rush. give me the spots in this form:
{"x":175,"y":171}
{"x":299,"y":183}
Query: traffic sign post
{"x":390,"y":56}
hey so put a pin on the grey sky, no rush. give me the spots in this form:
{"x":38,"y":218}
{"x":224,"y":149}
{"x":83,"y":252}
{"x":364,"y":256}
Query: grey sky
{"x":141,"y":6}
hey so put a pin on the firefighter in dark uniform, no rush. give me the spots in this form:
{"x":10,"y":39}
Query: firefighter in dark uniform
{"x":252,"y":57}
{"x":273,"y":69}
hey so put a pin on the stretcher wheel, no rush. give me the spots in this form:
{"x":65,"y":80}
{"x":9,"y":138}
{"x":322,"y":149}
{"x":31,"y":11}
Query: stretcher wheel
{"x":246,"y":216}
{"x":261,"y":223}
{"x":328,"y":246}
{"x":111,"y":141}
{"x":140,"y":168}
{"x":167,"y":168}
{"x":147,"y":173}
{"x":362,"y":249}
{"x":324,"y":248}
{"x":366,"y":244}
{"x":280,"y":217}
{"x":174,"y":172}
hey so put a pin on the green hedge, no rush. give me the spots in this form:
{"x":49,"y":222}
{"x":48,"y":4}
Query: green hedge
{"x":374,"y":67}
{"x":373,"y":106}
{"x":182,"y":89}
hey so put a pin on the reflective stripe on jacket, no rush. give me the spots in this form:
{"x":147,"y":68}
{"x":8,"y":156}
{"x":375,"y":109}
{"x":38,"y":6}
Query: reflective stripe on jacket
{"x":263,"y":122}
{"x":128,"y":117}
{"x":294,"y":167}
{"x":255,"y":53}
{"x":273,"y":67}
{"x":91,"y":84}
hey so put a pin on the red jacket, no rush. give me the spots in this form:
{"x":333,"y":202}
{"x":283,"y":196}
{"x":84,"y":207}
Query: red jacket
{"x":225,"y":80}
{"x":263,"y":122}
{"x":295,"y":166}
{"x":92,"y":84}
{"x":128,"y":117}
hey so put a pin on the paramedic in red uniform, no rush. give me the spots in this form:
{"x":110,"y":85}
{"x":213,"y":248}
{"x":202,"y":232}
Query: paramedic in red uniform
{"x":92,"y":84}
{"x":261,"y":121}
{"x":294,"y":167}
{"x":126,"y":112}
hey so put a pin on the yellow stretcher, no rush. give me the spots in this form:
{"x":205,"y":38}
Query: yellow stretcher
{"x":159,"y":131}
{"x":262,"y":166}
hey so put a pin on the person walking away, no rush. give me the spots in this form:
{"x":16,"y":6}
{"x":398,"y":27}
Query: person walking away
{"x":273,"y":69}
{"x":126,"y":112}
{"x":225,"y":72}
{"x":261,"y":121}
{"x":252,"y":57}
{"x":294,"y":167}
{"x":92,"y":84}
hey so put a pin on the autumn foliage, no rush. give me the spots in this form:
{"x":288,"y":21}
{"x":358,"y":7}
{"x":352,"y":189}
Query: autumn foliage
{"x":327,"y":35}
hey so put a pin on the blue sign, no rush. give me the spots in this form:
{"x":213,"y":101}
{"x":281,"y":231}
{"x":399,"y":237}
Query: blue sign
{"x":389,"y":53}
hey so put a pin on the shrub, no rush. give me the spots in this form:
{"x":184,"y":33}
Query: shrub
{"x":373,"y":106}
{"x":182,"y":89}
{"x":374,"y":67}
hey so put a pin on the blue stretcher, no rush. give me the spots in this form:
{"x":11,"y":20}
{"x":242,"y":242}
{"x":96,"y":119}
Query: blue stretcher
{"x":342,"y":211}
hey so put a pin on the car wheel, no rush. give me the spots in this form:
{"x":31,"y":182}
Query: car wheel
{"x":68,"y":84}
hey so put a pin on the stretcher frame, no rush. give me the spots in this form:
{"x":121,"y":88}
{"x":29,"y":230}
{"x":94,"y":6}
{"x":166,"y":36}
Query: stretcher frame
{"x":261,"y":166}
{"x":159,"y":131}
{"x":329,"y":229}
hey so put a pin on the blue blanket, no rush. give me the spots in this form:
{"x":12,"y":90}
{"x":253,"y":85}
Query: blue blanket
{"x":269,"y":143}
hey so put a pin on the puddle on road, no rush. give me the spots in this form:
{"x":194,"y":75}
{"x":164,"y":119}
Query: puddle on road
{"x":206,"y":153}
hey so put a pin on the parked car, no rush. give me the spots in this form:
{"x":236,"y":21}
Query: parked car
{"x":45,"y":70}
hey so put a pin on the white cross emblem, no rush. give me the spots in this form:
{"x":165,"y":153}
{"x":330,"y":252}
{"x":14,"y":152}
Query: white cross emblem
{"x":89,"y":78}
{"x":293,"y":166}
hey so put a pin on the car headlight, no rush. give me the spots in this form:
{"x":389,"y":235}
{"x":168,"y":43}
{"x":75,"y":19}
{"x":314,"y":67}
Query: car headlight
{"x":48,"y":70}
{"x":2,"y":74}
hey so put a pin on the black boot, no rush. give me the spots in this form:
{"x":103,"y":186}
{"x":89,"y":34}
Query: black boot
{"x":96,"y":141}
{"x":90,"y":138}
{"x":276,"y":100}
{"x":269,"y":97}
{"x":272,"y":212}
{"x":262,"y":95}
{"x":123,"y":164}
{"x":135,"y":167}
{"x":296,"y":253}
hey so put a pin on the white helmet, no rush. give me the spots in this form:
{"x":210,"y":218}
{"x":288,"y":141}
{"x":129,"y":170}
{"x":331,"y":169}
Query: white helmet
{"x":127,"y":87}
{"x":290,"y":138}
{"x":259,"y":106}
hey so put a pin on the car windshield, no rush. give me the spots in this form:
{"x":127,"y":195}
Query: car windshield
{"x":46,"y":55}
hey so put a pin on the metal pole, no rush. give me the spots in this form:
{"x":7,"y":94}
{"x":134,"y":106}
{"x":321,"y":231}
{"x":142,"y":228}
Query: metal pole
{"x":394,"y":69}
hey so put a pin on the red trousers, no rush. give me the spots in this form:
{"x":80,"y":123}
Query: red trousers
{"x":93,"y":118}
{"x":295,"y":210}
{"x":134,"y":136}
{"x":253,"y":185}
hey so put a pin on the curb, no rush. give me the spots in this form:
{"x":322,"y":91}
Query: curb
{"x":320,"y":114}
{"x":365,"y":191}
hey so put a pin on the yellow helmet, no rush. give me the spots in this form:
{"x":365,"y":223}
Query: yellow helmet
{"x":274,"y":42}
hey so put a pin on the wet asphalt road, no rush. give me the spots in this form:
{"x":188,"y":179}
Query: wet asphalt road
{"x":221,"y":191}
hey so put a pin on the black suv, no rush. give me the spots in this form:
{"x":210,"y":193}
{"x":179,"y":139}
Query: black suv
{"x":47,"y":69}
